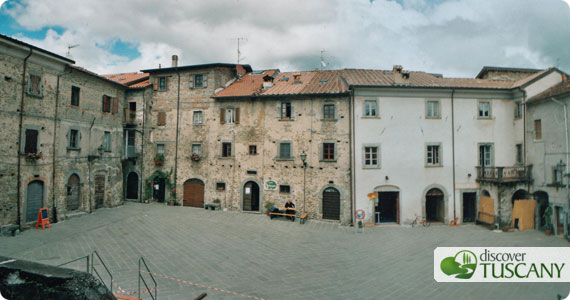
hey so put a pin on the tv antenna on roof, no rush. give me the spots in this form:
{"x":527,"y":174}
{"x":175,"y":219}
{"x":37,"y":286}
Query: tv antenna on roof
{"x":323,"y":63}
{"x":69,"y":47}
{"x":239,"y":58}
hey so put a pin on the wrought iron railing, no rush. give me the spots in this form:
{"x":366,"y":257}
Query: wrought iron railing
{"x":141,"y":278}
{"x":505,"y":174}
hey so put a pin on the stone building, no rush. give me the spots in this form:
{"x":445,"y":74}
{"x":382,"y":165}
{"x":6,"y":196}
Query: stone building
{"x":62,"y":136}
{"x":282,"y":136}
{"x":547,"y":149}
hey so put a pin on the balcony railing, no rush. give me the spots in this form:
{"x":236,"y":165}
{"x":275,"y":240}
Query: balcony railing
{"x":130,"y":116}
{"x":504,"y":174}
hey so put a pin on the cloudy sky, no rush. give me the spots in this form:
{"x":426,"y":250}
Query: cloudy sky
{"x":452,"y":37}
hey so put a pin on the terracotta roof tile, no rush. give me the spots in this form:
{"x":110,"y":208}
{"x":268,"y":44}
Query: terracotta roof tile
{"x":141,"y":84}
{"x":559,"y":89}
{"x":250,"y":84}
{"x":128,"y":79}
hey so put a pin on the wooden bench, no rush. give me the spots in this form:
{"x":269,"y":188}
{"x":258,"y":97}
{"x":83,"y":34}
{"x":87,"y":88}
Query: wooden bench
{"x":279,"y":213}
{"x":303,"y":218}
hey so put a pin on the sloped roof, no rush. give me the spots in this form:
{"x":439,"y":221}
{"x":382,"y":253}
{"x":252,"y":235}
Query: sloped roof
{"x":95,"y":75}
{"x":557,"y":90}
{"x":288,"y":83}
{"x":18,"y":42}
{"x":487,"y":69}
{"x":128,"y":79}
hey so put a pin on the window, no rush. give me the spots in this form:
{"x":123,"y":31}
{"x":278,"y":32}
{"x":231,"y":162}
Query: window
{"x":432,"y":109}
{"x":197,"y":149}
{"x":518,"y":109}
{"x":75,"y":91}
{"x":433,"y":155}
{"x":558,"y":173}
{"x":161,"y":119}
{"x":285,"y":150}
{"x":107,"y":103}
{"x":162,"y":83}
{"x":226,"y":149}
{"x":328,"y":151}
{"x":198,"y":117}
{"x":537,"y":130}
{"x":74,"y":139}
{"x":286,"y":111}
{"x":160,"y":149}
{"x":230,"y":115}
{"x":370,"y":108}
{"x":328,"y":111}
{"x":220,"y":186}
{"x":485,"y":155}
{"x":519,"y":154}
{"x":107,"y":141}
{"x":199,"y":80}
{"x":252,"y":149}
{"x":371,"y":157}
{"x":31,"y":144}
{"x":34,"y":86}
{"x":286,"y":189}
{"x":484,"y":109}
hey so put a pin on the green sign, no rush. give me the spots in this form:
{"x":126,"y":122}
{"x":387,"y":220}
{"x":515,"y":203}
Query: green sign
{"x":462,"y":265}
{"x":270,"y":185}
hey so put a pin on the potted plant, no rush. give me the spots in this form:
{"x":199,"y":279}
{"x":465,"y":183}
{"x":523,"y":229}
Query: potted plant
{"x":547,"y":220}
{"x":159,"y":159}
{"x":195,"y":157}
{"x":268,"y":205}
{"x":34,"y":156}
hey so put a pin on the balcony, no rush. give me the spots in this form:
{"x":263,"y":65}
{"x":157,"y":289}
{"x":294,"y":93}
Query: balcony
{"x":504,"y":175}
{"x":130,"y":116}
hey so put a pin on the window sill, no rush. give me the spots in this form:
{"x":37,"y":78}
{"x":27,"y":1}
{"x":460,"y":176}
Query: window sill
{"x":518,"y":118}
{"x":433,"y":118}
{"x":371,"y":167}
{"x":198,"y":124}
{"x":73,"y":149}
{"x":286,"y":120}
{"x":34,"y":96}
{"x":538,"y":141}
{"x":370,"y":117}
{"x":433,"y":166}
{"x":484,"y":118}
{"x":328,"y":160}
{"x":329,"y":120}
{"x":284,"y":159}
{"x":225,"y":157}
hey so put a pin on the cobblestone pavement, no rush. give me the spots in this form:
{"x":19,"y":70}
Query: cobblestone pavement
{"x":232,"y":255}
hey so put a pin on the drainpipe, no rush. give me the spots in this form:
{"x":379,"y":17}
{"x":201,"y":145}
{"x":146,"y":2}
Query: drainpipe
{"x":352,"y":161}
{"x":142,"y":149}
{"x":523,"y":91}
{"x":177,"y":130}
{"x":453,"y":149}
{"x":89,"y":162}
{"x":567,"y":147}
{"x":20,"y":125}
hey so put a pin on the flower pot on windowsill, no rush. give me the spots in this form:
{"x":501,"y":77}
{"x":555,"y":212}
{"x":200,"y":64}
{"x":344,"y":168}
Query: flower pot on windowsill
{"x":34,"y":156}
{"x":195,"y":157}
{"x":158,"y":163}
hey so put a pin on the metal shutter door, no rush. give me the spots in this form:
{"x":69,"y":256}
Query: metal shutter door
{"x":35,"y":200}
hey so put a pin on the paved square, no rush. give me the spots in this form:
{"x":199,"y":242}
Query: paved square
{"x":232,"y":255}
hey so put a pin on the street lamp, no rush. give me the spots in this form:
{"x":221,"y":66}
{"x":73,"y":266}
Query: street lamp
{"x":304,"y":159}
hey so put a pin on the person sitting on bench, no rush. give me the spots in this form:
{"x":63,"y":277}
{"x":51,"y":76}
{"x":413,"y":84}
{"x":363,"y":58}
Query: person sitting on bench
{"x":290,"y":204}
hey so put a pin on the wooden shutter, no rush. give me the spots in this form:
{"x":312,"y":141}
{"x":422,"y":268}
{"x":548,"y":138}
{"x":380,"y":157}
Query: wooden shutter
{"x":106,"y":103}
{"x":161,"y":119}
{"x":155,"y":84}
{"x":237,"y":115}
{"x":115,"y":102}
{"x":222,"y":116}
{"x":191,"y":83}
{"x":205,"y":81}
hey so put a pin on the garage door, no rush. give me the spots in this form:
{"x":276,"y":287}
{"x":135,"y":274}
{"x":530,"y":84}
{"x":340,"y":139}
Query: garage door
{"x":35,"y":200}
{"x":194,"y":193}
{"x":331,"y":204}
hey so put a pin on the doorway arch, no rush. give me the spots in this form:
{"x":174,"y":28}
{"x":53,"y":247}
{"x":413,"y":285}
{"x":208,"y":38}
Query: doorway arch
{"x":331,"y":204}
{"x":520,"y":195}
{"x":132,"y":186}
{"x":435,"y":205}
{"x":73,"y":192}
{"x":34,"y":199}
{"x":250,"y":196}
{"x":193,"y":193}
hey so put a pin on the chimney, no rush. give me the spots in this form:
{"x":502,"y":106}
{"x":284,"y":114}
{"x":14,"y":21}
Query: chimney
{"x":174,"y":61}
{"x":401,"y":77}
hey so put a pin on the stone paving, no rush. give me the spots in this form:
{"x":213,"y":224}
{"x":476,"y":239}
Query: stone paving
{"x":232,"y":255}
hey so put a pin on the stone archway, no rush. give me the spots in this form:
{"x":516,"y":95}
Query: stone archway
{"x":132,"y":186}
{"x":331,"y":204}
{"x":251,"y":196}
{"x":435,"y":205}
{"x":194,"y":193}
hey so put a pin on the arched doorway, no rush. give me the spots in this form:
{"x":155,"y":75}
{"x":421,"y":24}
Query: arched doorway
{"x":133,"y":186}
{"x":387,"y":204}
{"x":485,"y":193}
{"x":34,"y":200}
{"x":194,"y":193}
{"x":520,"y":195}
{"x":250,"y":196}
{"x":158,"y":189}
{"x":331,"y":204}
{"x":435,"y":208}
{"x":73,"y":192}
{"x":541,"y":205}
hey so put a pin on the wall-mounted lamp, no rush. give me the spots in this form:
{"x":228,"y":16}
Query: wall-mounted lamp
{"x":304,"y":158}
{"x":387,"y":177}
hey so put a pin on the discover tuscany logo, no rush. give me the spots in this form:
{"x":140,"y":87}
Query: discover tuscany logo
{"x":502,"y":264}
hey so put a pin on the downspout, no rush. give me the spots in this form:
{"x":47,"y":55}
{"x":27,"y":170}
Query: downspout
{"x":89,"y":162}
{"x":352,"y":161}
{"x":523,"y":91}
{"x":142,"y":149}
{"x":20,"y":126}
{"x":177,"y":132}
{"x":453,"y":149}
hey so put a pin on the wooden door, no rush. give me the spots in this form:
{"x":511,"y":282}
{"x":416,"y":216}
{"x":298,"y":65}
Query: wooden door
{"x":194,"y":193}
{"x":34,"y":200}
{"x":73,"y":191}
{"x":331,"y":204}
{"x":99,"y":190}
{"x":132,"y":186}
{"x":247,"y":196}
{"x":486,"y":210}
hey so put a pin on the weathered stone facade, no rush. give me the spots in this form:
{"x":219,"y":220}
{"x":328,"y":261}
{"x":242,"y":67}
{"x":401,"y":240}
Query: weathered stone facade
{"x":48,"y":119}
